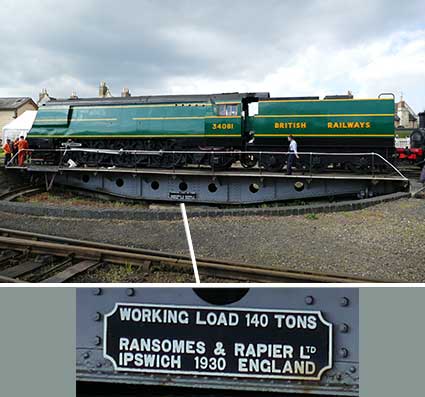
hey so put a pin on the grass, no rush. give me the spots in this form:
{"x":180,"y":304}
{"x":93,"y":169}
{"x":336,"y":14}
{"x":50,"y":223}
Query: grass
{"x":69,"y":198}
{"x":311,"y":216}
{"x":403,"y":133}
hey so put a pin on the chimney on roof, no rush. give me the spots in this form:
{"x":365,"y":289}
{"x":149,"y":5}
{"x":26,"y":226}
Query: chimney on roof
{"x":73,"y":95}
{"x":125,"y":92}
{"x":104,"y":90}
{"x":43,"y":94}
{"x":43,"y":97}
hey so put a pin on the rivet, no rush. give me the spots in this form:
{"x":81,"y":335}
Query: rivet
{"x":338,"y":376}
{"x":98,"y":364}
{"x":343,"y":352}
{"x":353,"y":369}
{"x":97,"y":291}
{"x":86,"y":355}
{"x":309,"y":300}
{"x":97,"y":340}
{"x":344,"y":301}
{"x":130,"y":291}
{"x":97,"y":316}
{"x":343,"y":328}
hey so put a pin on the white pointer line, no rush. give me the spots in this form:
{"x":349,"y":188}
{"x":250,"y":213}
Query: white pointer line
{"x":189,"y":243}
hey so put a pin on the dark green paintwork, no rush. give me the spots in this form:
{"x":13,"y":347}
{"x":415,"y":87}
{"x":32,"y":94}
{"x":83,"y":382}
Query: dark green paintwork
{"x":201,"y":120}
{"x":316,"y":115}
{"x":197,"y":120}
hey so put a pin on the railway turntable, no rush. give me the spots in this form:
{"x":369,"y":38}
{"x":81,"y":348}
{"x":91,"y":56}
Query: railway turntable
{"x":236,"y":185}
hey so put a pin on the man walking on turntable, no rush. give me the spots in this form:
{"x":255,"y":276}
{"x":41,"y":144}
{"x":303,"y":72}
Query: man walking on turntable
{"x":293,"y":152}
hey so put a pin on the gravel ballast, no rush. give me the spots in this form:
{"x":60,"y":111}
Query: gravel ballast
{"x":383,"y":241}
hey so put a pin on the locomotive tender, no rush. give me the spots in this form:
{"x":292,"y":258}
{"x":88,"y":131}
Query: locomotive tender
{"x":195,"y":125}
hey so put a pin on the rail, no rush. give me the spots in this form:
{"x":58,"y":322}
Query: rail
{"x":93,"y":251}
{"x":309,"y":161}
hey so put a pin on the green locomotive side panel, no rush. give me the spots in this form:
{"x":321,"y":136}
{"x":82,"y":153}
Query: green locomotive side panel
{"x":191,"y":120}
{"x":57,"y":116}
{"x":225,"y":121}
{"x":360,"y":118}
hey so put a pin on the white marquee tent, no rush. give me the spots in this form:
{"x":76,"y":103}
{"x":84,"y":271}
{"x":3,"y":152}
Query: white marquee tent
{"x":20,"y":126}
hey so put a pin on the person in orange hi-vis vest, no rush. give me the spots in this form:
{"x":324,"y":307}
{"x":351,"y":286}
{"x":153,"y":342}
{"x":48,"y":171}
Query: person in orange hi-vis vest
{"x":7,"y":149}
{"x":22,"y":154}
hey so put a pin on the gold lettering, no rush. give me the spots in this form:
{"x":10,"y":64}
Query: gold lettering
{"x":343,"y":124}
{"x":286,"y":125}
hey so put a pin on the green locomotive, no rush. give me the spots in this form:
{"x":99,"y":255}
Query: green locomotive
{"x":211,"y":129}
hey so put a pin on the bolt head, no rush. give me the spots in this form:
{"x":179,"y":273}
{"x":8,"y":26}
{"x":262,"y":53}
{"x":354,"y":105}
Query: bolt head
{"x":130,"y":291}
{"x":343,"y":328}
{"x":344,"y":301}
{"x":309,"y":300}
{"x":97,"y":316}
{"x":97,"y":291}
{"x":97,"y":340}
{"x":86,"y":355}
{"x":343,"y":352}
{"x":353,"y":370}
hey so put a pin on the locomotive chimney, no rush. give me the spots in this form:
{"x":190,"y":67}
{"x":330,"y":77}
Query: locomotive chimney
{"x":422,"y":120}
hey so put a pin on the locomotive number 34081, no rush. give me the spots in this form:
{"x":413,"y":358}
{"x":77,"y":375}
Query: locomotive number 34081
{"x":223,"y":126}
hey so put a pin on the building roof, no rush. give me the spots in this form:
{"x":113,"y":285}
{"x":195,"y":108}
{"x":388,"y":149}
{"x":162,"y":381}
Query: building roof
{"x":13,"y":103}
{"x":153,"y":99}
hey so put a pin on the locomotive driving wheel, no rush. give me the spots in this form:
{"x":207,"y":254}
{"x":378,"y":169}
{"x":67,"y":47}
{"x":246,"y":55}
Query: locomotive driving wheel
{"x":221,"y":162}
{"x":173,"y":158}
{"x":249,"y":160}
{"x":272,"y":162}
{"x":91,"y":158}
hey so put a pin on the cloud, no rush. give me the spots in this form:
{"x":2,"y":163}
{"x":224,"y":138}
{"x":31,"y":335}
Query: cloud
{"x":394,"y":64}
{"x":162,"y":47}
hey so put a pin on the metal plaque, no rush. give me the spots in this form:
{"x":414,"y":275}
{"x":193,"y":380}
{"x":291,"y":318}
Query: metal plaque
{"x":194,"y":340}
{"x":182,"y":195}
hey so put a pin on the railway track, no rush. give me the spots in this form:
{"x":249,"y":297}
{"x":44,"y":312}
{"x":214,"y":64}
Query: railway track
{"x":15,"y":193}
{"x":38,"y":257}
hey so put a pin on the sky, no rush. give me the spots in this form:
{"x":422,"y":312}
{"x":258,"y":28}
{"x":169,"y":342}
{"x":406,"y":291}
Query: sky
{"x":287,"y":48}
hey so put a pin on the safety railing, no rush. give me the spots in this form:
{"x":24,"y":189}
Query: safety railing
{"x":309,"y":163}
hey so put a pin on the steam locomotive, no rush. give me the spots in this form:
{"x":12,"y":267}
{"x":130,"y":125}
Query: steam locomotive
{"x":214,"y":130}
{"x":416,"y":153}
